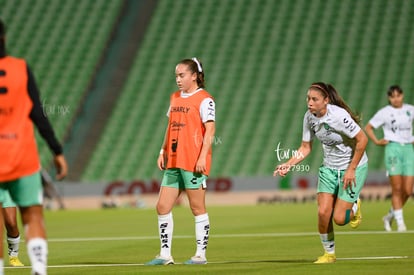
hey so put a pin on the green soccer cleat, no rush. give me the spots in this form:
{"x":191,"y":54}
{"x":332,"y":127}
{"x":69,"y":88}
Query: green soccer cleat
{"x":161,"y":261}
{"x":326,"y":259}
{"x":356,"y":220}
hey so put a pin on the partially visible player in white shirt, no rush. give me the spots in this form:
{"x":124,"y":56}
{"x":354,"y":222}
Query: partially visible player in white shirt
{"x":344,"y":169}
{"x":336,"y":131}
{"x":396,"y":120}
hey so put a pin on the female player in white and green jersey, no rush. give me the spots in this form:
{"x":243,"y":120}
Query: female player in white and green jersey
{"x":345,"y":164}
{"x":396,"y":120}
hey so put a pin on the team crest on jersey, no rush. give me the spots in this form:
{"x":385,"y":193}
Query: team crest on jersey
{"x":326,"y":126}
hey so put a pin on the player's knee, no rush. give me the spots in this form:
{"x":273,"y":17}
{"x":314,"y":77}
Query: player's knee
{"x":340,"y":221}
{"x":324,"y":213}
{"x":397,"y":190}
{"x":343,"y":218}
{"x":163,"y":209}
{"x":198,"y":210}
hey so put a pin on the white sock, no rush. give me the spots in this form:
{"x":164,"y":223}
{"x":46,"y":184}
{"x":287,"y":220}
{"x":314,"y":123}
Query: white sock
{"x":390,"y":214}
{"x":13,"y":244}
{"x":37,"y":250}
{"x":202,"y":231}
{"x":328,"y":242}
{"x":165,"y":228}
{"x":1,"y":266}
{"x":398,"y":215}
{"x":355,"y":207}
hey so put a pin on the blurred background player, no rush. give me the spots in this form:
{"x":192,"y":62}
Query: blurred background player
{"x":20,"y":170}
{"x":50,"y":192}
{"x":396,"y":120}
{"x":10,"y":218}
{"x":186,"y":158}
{"x":345,"y":164}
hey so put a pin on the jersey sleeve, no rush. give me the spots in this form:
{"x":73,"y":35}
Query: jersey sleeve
{"x":307,"y":133}
{"x":346,"y":125}
{"x":208,"y":110}
{"x":378,"y":119}
{"x":168,"y":111}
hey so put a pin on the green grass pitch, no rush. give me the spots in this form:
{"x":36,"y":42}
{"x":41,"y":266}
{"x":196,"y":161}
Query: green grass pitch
{"x":262,"y":239}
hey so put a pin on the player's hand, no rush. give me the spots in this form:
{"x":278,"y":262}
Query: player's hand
{"x":382,"y":142}
{"x":349,"y":180}
{"x":281,"y":170}
{"x":161,"y":161}
{"x":61,"y":166}
{"x":201,"y":166}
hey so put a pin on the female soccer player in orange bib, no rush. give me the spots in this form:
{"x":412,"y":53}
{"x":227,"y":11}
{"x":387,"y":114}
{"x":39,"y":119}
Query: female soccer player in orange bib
{"x":186,"y":158}
{"x":20,"y":111}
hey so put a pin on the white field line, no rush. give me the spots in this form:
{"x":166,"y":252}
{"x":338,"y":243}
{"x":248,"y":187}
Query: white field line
{"x":221,"y":262}
{"x":214,"y":236}
{"x":293,"y":234}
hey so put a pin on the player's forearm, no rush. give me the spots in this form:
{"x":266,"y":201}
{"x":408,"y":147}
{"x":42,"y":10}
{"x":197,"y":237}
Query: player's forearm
{"x":370,"y":133}
{"x":301,"y":153}
{"x":360,"y":145}
{"x":164,"y":142}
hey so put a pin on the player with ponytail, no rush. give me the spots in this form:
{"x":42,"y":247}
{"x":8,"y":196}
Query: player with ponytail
{"x":185,"y":157}
{"x":345,"y":164}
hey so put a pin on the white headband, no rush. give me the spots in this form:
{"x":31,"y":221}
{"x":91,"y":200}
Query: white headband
{"x":198,"y":64}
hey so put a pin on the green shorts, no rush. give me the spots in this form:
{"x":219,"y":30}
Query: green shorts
{"x":182,"y":179}
{"x":25,"y":191}
{"x":8,"y":202}
{"x":330,"y":181}
{"x":399,"y":159}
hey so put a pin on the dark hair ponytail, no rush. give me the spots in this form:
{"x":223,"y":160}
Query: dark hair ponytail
{"x":334,"y":98}
{"x":195,"y":66}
